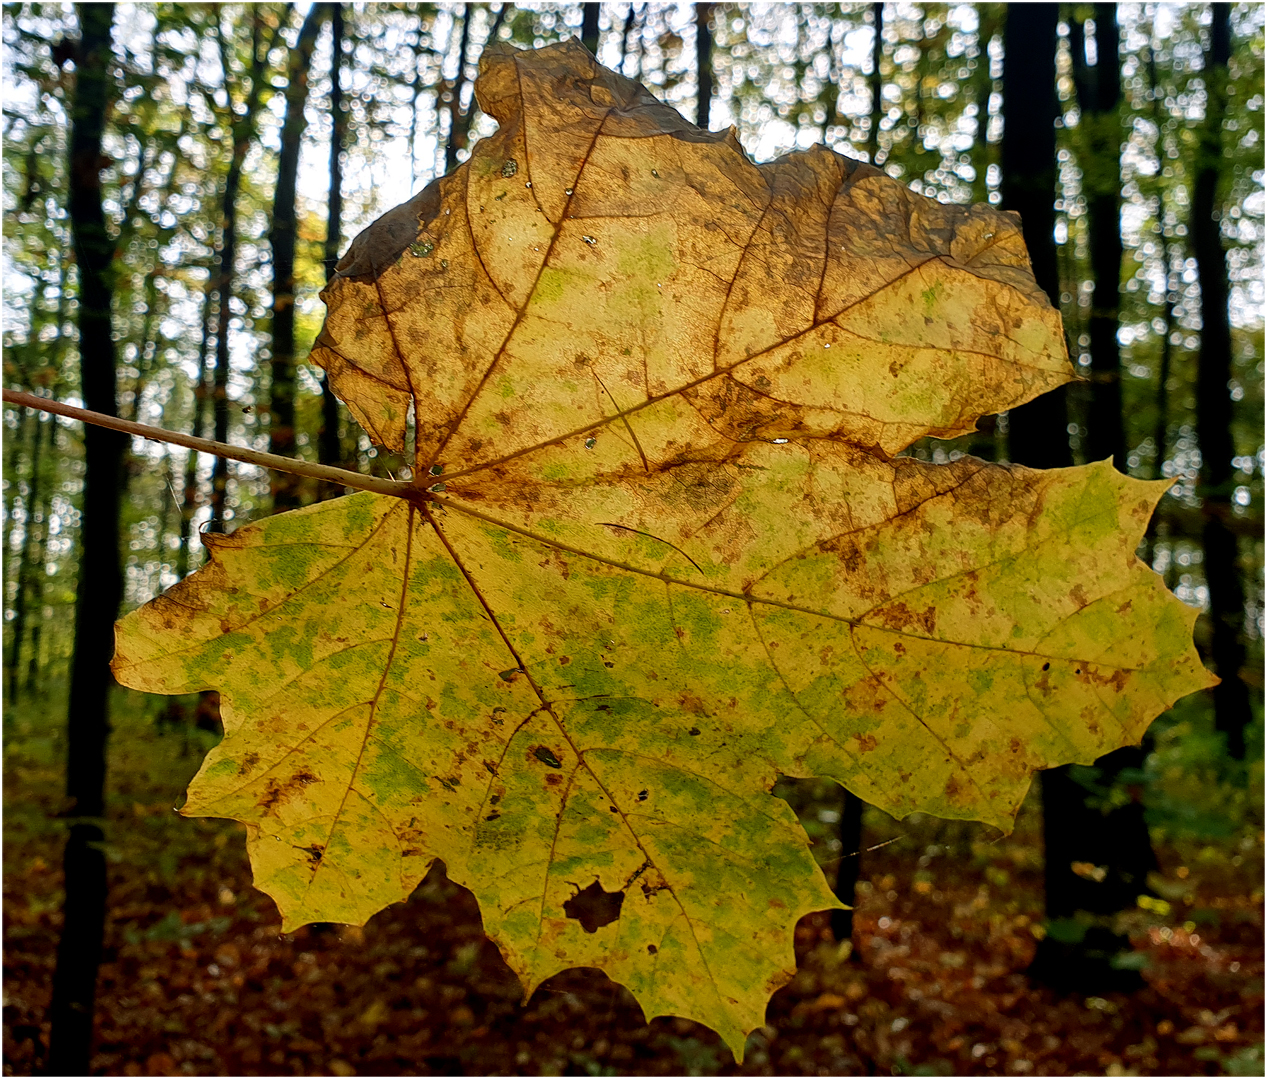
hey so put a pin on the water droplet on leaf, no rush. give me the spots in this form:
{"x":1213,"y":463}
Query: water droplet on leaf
{"x":510,"y":167}
{"x":420,"y":249}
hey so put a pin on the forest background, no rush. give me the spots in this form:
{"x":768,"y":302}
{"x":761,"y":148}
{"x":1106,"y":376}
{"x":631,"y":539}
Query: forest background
{"x":241,"y":146}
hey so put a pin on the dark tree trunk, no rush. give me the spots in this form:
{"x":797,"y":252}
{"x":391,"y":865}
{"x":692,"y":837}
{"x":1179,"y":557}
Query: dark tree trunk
{"x":1215,"y":406}
{"x":329,"y":444}
{"x":590,"y":27}
{"x":100,"y":578}
{"x":189,"y":496}
{"x":1100,"y":94}
{"x":459,"y":118}
{"x":1074,"y":833}
{"x":850,"y":833}
{"x":38,"y":578}
{"x":241,"y":128}
{"x":878,"y":51}
{"x":1028,"y":163}
{"x":27,"y":559}
{"x":704,"y":64}
{"x":285,"y":487}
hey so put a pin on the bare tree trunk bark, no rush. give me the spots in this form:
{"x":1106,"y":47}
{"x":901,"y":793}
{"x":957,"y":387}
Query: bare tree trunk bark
{"x":850,"y":826}
{"x":878,"y":51}
{"x":1073,"y":832}
{"x":1100,"y":93}
{"x":1215,"y":406}
{"x":590,"y":27}
{"x":241,"y":129}
{"x":189,"y":495}
{"x":100,"y":587}
{"x":329,"y":444}
{"x":26,"y":560}
{"x":704,"y":63}
{"x":459,"y":118}
{"x":286,"y":488}
{"x":33,"y":664}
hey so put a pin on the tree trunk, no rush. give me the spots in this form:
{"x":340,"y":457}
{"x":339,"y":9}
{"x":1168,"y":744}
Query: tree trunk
{"x":459,"y":118}
{"x":878,"y":51}
{"x":590,"y":27}
{"x":285,"y":488}
{"x":26,"y":560}
{"x":1074,"y":834}
{"x":241,"y":128}
{"x":1215,"y":406}
{"x":1100,"y":93}
{"x":850,"y":827}
{"x":704,"y":64}
{"x":329,"y":444}
{"x":189,"y":496}
{"x":850,"y":833}
{"x":33,"y":664}
{"x":1028,"y":163}
{"x":100,"y":587}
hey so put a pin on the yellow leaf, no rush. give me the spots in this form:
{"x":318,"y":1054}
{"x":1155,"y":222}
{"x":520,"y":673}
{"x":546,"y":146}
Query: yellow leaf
{"x":660,"y":552}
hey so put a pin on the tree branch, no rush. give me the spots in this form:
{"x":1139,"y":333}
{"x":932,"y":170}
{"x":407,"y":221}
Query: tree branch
{"x":398,"y":488}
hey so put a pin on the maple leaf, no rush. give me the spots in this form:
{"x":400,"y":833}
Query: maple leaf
{"x":660,"y":551}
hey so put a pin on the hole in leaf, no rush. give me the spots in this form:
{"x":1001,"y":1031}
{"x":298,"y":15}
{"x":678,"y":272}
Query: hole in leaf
{"x":509,"y":168}
{"x":592,"y":907}
{"x":642,"y":795}
{"x":652,"y":950}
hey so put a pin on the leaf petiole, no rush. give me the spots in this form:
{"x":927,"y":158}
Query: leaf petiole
{"x":295,"y":466}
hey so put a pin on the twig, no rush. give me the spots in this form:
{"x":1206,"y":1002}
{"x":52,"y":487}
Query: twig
{"x":399,"y":488}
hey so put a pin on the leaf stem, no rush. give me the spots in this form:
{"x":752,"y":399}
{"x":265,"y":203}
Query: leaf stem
{"x":398,"y":488}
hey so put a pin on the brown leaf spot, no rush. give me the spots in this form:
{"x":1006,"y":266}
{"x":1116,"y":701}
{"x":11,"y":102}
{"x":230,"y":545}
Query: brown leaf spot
{"x":866,"y":742}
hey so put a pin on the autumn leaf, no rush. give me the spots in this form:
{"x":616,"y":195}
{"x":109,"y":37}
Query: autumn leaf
{"x":660,"y":551}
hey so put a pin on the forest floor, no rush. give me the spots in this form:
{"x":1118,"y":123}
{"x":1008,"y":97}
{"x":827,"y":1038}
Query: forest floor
{"x":199,"y":980}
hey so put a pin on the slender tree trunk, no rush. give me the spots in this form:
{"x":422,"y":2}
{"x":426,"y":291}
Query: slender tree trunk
{"x":704,"y":63}
{"x":241,"y":127}
{"x":1162,"y":397}
{"x":146,"y":350}
{"x":1028,"y":163}
{"x":850,"y":827}
{"x":459,"y":118}
{"x":1073,"y":833}
{"x":415,"y":86}
{"x":1100,"y":94}
{"x":189,"y":495}
{"x":285,"y":488}
{"x":100,"y":586}
{"x":590,"y":27}
{"x":34,"y":663}
{"x":878,"y":52}
{"x":26,"y":559}
{"x":1215,"y":406}
{"x":329,"y":445}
